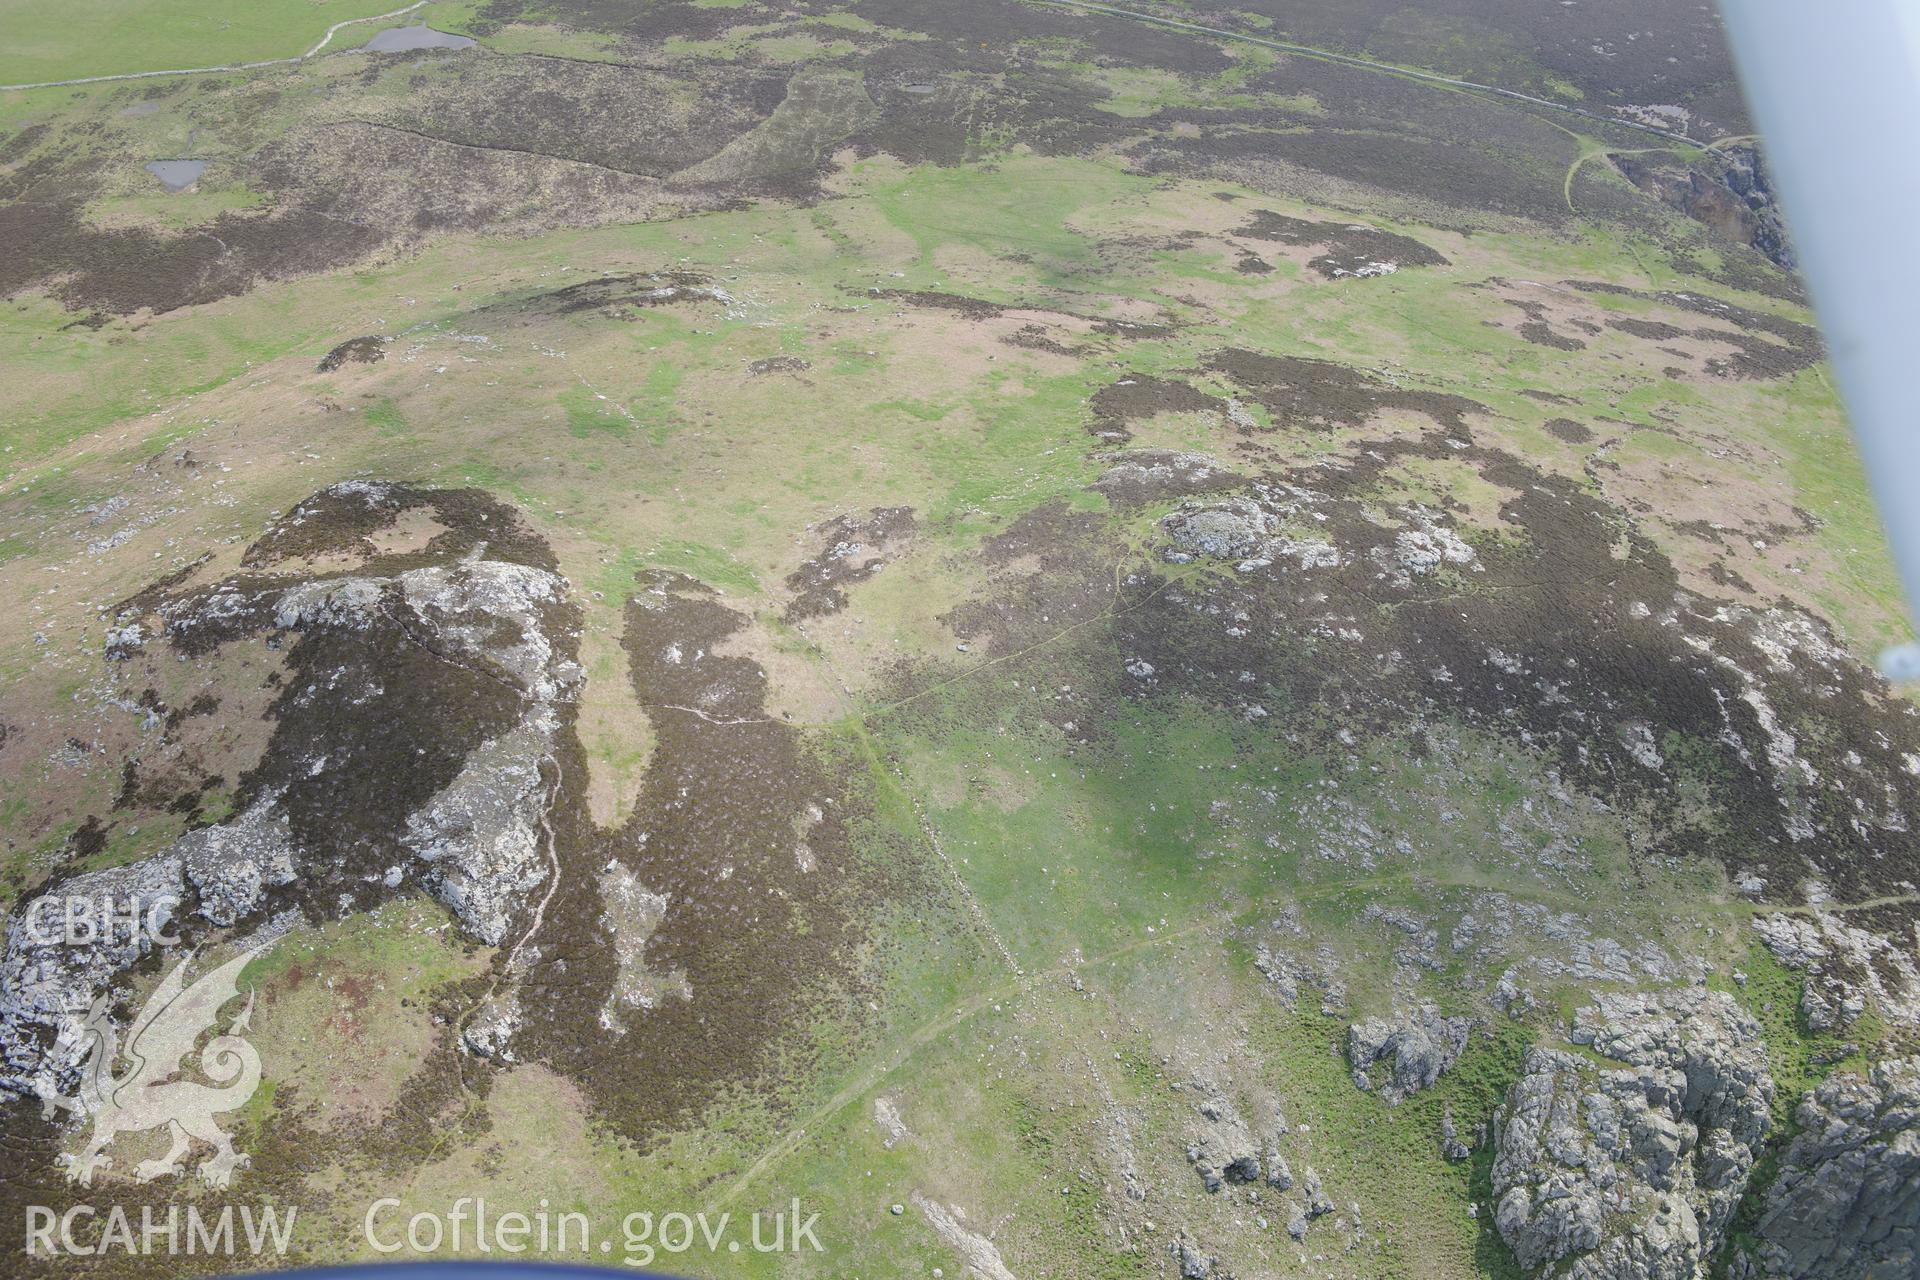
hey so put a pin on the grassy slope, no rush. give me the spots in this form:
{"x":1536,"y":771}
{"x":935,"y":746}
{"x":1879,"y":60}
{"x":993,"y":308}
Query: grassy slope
{"x":113,"y":37}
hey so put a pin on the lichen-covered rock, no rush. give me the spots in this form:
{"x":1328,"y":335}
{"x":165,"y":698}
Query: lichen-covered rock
{"x":1422,"y":548}
{"x":979,"y":1253}
{"x":489,"y":1032}
{"x":232,"y":866}
{"x":1632,"y":1172}
{"x":1223,"y":1149}
{"x":1846,"y":1202}
{"x":480,"y":837}
{"x":51,"y":974}
{"x":1404,"y":1054}
{"x":1143,"y":475}
{"x":632,"y":913}
{"x":1237,"y":529}
{"x":1846,"y":968}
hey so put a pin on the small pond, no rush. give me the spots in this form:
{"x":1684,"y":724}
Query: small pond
{"x":178,"y":175}
{"x":401,"y":39}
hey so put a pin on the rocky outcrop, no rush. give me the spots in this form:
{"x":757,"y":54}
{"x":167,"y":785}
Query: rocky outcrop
{"x":1236,"y":529}
{"x":232,"y":866}
{"x":1733,"y":198}
{"x":1318,"y":1203}
{"x":1425,"y":546}
{"x":489,"y":1032}
{"x":1135,"y":477}
{"x":1632,"y":1171}
{"x":1451,"y":1148}
{"x":479,"y":839}
{"x":981,"y":1255}
{"x":631,"y":915}
{"x":1746,"y":176}
{"x":1846,"y":1202}
{"x":1846,"y":967}
{"x":1234,"y":1156}
{"x":49,"y":976}
{"x":1194,"y":1264}
{"x":1243,"y":531}
{"x":414,"y":743}
{"x":1405,"y":1054}
{"x":64,"y":946}
{"x":1223,"y":1149}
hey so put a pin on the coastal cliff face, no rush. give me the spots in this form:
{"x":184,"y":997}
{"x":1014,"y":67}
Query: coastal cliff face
{"x":1727,"y":190}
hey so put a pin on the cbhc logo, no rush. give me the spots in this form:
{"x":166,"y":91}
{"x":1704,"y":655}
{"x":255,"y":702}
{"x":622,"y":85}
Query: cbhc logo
{"x":56,"y":920}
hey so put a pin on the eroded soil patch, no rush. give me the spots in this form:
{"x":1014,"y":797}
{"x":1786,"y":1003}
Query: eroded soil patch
{"x":852,"y":549}
{"x":1348,"y":249}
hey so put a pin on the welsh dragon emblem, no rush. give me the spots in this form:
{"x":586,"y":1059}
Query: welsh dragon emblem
{"x":150,"y":1094}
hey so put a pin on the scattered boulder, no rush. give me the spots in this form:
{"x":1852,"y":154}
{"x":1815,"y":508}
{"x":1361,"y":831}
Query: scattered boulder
{"x":1451,"y":1148}
{"x":1194,"y":1265}
{"x":1632,"y":1172}
{"x":1318,"y":1204}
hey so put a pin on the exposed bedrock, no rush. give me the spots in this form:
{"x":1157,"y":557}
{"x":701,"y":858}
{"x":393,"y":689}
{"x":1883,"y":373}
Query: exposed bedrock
{"x":1404,"y":1054}
{"x":1627,"y":1162}
{"x":1846,"y":1201}
{"x":413,"y":742}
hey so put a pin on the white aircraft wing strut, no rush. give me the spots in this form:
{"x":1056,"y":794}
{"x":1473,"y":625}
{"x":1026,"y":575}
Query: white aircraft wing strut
{"x":1834,"y":87}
